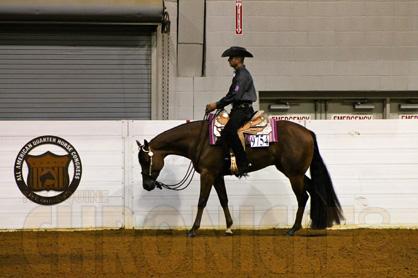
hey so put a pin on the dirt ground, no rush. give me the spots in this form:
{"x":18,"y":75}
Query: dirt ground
{"x":165,"y":253}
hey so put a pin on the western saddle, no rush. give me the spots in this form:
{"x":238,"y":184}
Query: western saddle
{"x":257,"y":125}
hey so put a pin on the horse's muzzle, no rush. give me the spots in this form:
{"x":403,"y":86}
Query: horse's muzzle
{"x":148,"y":183}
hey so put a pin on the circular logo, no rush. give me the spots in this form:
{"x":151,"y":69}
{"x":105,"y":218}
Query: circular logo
{"x":42,"y":170}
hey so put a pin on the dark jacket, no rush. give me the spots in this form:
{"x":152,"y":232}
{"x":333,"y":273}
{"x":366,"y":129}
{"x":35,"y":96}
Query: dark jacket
{"x":241,"y":90}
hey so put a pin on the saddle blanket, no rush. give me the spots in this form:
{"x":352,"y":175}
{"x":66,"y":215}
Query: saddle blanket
{"x":269,"y":130}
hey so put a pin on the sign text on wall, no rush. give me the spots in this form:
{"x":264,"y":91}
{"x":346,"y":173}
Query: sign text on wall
{"x":238,"y":17}
{"x":346,"y":117}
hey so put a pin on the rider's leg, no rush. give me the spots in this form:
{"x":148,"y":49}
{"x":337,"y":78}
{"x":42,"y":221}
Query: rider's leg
{"x":229,"y":133}
{"x":225,"y":150}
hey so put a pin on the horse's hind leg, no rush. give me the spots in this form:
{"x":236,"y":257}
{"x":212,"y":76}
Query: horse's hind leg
{"x":206,"y":182}
{"x":299,"y":189}
{"x":223,"y":198}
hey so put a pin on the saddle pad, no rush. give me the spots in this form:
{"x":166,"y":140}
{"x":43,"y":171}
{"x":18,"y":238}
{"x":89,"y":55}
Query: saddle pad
{"x":214,"y":133}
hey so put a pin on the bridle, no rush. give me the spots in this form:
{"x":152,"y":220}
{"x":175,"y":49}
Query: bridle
{"x":149,"y":174}
{"x":176,"y":187}
{"x":150,"y":154}
{"x":188,"y":177}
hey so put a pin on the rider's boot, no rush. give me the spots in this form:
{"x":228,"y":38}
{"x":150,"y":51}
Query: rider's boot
{"x":227,"y":164}
{"x":243,"y":166}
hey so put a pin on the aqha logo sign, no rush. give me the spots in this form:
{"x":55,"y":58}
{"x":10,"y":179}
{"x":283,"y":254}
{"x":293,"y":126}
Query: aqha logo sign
{"x":47,"y":170}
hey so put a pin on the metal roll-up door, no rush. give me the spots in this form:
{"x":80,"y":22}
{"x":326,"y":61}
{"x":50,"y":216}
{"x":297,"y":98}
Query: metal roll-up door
{"x":79,"y":72}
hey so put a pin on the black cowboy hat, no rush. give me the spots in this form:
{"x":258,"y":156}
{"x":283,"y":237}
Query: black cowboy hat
{"x":236,"y":51}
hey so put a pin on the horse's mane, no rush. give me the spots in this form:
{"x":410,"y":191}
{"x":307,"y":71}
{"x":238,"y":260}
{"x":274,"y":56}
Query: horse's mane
{"x":172,"y":134}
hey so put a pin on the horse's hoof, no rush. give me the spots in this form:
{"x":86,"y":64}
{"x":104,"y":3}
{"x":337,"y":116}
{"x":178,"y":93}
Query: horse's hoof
{"x":191,"y":233}
{"x":291,"y":232}
{"x":228,"y":232}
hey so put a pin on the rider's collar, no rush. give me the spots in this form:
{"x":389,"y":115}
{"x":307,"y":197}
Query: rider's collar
{"x":236,"y":71}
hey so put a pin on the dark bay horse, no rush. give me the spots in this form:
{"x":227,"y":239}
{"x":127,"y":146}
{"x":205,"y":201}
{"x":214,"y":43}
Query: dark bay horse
{"x":295,"y":151}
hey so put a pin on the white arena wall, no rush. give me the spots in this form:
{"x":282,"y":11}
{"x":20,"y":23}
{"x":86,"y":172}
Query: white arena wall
{"x":373,"y":165}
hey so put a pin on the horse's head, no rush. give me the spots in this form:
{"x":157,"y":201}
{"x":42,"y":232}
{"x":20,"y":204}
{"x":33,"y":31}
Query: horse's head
{"x":151,"y":162}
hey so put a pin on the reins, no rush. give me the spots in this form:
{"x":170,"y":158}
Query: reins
{"x":188,"y":177}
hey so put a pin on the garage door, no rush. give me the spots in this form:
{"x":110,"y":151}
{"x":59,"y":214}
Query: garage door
{"x":79,"y":72}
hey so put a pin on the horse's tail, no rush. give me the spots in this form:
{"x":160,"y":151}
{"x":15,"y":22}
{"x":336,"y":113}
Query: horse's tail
{"x":325,"y":207}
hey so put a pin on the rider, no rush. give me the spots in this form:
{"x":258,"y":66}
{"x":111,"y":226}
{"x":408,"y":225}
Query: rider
{"x":241,"y":95}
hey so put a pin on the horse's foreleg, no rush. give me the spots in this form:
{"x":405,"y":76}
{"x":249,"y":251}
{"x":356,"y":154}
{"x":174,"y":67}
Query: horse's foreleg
{"x":206,"y":182}
{"x":299,"y":189}
{"x":223,"y":198}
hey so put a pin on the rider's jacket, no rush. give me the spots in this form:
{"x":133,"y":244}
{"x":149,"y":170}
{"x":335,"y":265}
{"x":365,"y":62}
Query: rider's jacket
{"x":241,"y":90}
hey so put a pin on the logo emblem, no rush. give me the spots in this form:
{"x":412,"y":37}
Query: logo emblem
{"x":42,"y":175}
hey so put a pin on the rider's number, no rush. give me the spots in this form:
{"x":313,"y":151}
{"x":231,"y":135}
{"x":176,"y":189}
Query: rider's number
{"x":261,"y":140}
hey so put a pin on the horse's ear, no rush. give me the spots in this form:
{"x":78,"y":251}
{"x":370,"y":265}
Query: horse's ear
{"x":139,"y":144}
{"x":145,"y":143}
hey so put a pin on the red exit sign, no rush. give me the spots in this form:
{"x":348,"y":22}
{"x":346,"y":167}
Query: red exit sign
{"x":238,"y":17}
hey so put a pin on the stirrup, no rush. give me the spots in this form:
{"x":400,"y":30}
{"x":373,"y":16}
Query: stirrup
{"x":234,"y":165}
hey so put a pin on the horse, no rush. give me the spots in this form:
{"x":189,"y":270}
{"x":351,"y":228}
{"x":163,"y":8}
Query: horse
{"x":295,"y":152}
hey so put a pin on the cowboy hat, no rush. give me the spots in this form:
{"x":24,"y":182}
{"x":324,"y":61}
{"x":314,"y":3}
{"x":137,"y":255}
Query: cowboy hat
{"x":236,"y":51}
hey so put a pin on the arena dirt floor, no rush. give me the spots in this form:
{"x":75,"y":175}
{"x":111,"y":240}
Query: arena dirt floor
{"x":165,"y":253}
